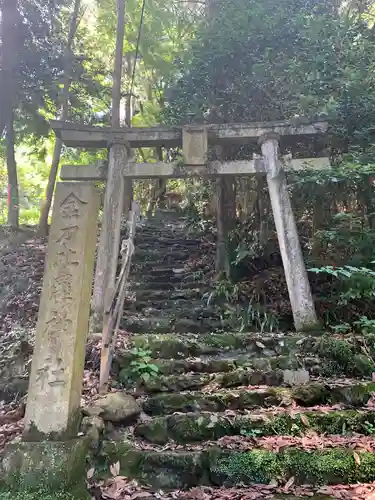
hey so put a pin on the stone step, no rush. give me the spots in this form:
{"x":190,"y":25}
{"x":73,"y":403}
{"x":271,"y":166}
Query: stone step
{"x":146,"y":266}
{"x":144,"y":278}
{"x":164,"y":324}
{"x":174,"y":346}
{"x":171,"y":248}
{"x":349,"y":392}
{"x":153,"y":241}
{"x":155,"y":296}
{"x":336,"y":356}
{"x":167,"y":270}
{"x":209,"y":381}
{"x":192,"y":427}
{"x":166,"y":285}
{"x":160,"y":255}
{"x":240,"y":377}
{"x":160,"y":305}
{"x":171,"y":469}
{"x":148,"y":273}
{"x":231,"y":362}
{"x":168,"y":310}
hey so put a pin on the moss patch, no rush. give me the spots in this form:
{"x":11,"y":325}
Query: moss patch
{"x":341,"y":357}
{"x":169,"y":469}
{"x":318,"y":467}
{"x":192,"y":428}
{"x":356,"y":394}
{"x":52,"y":466}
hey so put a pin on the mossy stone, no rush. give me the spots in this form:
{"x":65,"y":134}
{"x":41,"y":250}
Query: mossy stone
{"x":174,"y":347}
{"x":215,"y":466}
{"x":167,"y":470}
{"x":311,"y":394}
{"x":48,"y":465}
{"x":190,"y":428}
{"x":335,"y":466}
{"x":341,"y":357}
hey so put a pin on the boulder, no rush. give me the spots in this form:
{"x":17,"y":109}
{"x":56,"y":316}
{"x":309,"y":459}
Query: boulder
{"x":114,"y":407}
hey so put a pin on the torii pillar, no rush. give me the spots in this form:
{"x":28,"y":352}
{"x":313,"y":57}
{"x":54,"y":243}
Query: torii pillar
{"x":109,"y":243}
{"x":294,"y":267}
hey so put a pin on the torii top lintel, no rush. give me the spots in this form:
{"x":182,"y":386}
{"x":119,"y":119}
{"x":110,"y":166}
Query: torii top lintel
{"x":84,"y":136}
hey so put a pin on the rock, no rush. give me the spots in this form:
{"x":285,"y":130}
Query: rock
{"x":115,"y":407}
{"x":89,"y":422}
{"x":93,"y":427}
{"x":296,"y":377}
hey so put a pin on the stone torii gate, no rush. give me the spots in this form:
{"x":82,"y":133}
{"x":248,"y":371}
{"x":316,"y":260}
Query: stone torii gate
{"x":195,"y":142}
{"x":51,"y":447}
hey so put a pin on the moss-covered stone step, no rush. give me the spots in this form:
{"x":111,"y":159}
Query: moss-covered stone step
{"x":171,"y":469}
{"x":194,"y":381}
{"x":165,"y":324}
{"x":166,"y":285}
{"x":160,"y":295}
{"x":176,"y":247}
{"x":196,"y":313}
{"x":351,"y":392}
{"x":167,"y":240}
{"x":192,"y":309}
{"x":337,"y":356}
{"x":141,"y":305}
{"x":190,"y":428}
{"x":177,"y":347}
{"x":140,"y":276}
{"x":148,"y":251}
{"x":148,"y":254}
{"x":220,"y":363}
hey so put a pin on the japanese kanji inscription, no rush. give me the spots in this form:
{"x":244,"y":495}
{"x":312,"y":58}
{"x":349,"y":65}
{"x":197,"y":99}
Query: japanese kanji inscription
{"x":57,"y":366}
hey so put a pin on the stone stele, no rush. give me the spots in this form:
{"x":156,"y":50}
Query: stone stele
{"x":53,"y":405}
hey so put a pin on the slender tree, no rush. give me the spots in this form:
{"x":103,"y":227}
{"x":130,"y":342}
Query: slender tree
{"x":10,"y":49}
{"x":68,"y":61}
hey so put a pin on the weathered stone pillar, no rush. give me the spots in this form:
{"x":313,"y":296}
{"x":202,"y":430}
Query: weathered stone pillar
{"x":295,"y":272}
{"x":109,"y":244}
{"x":53,"y":403}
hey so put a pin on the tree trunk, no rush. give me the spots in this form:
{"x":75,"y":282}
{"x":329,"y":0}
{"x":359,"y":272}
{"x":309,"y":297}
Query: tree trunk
{"x":13,"y":194}
{"x":159,"y":188}
{"x":9,"y":64}
{"x":9,"y":60}
{"x":68,"y":56}
{"x":226,"y":222}
{"x":117,"y":73}
{"x":128,"y":102}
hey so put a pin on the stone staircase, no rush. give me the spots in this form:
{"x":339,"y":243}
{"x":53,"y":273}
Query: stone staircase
{"x":229,"y":408}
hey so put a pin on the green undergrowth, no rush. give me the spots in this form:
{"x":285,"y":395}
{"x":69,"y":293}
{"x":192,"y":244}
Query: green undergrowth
{"x":344,"y":357}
